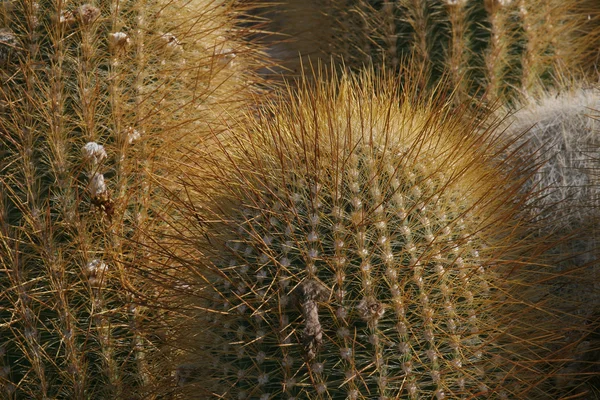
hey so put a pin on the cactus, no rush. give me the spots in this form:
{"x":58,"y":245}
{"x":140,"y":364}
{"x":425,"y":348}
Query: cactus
{"x":299,"y":35}
{"x":499,"y":49}
{"x":300,"y":31}
{"x":357,"y":243}
{"x":91,"y":96}
{"x":563,"y":130}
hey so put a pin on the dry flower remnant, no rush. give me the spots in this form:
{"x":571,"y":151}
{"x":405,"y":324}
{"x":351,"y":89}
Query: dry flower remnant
{"x":93,"y":152}
{"x":95,"y":271}
{"x":97,"y":187}
{"x":308,"y":294}
{"x":118,"y":40}
{"x":87,"y":14}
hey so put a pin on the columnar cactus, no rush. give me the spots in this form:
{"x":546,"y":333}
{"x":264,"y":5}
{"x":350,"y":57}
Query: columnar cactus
{"x":499,"y":49}
{"x":362,"y":244}
{"x":91,"y":95}
{"x":300,"y":31}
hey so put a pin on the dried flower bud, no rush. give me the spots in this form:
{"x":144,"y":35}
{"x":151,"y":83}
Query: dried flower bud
{"x":93,"y":152}
{"x":87,"y":14}
{"x":97,"y":186}
{"x":118,"y":40}
{"x":95,"y":271}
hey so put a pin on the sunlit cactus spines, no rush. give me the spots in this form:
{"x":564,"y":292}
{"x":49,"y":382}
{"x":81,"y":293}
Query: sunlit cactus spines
{"x":362,"y":244}
{"x":92,"y":95}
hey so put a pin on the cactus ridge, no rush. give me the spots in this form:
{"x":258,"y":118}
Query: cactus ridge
{"x":363,"y":249}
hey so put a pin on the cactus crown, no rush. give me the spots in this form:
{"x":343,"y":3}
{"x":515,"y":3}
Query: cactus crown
{"x":365,"y":245}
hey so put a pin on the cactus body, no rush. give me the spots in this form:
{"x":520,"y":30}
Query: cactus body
{"x":562,"y":131}
{"x":497,"y":49}
{"x":357,"y":248}
{"x":91,"y":95}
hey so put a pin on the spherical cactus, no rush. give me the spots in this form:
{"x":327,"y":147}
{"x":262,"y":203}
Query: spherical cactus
{"x":562,"y":132}
{"x":354,"y":243}
{"x":91,"y":96}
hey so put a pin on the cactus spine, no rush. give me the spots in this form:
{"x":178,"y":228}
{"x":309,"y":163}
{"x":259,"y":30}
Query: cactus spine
{"x":91,"y":95}
{"x":360,"y":244}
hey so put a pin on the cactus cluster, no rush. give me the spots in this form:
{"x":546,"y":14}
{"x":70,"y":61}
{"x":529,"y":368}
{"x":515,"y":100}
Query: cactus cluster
{"x":168,"y":229}
{"x":91,"y":95}
{"x":357,"y":248}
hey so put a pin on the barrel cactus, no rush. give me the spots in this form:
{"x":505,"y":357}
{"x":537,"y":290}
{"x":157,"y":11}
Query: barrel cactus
{"x":91,"y":94}
{"x":358,"y":243}
{"x":562,"y":129}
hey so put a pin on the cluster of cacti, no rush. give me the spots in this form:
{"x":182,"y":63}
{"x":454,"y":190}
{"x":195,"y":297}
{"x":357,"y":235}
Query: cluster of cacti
{"x":354,"y":246}
{"x":166,"y":233}
{"x":91,"y":95}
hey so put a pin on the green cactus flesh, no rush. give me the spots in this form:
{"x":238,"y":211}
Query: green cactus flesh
{"x":367,"y":250}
